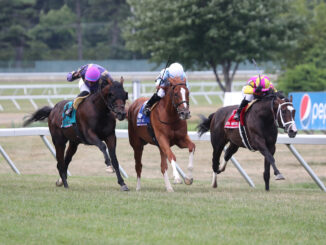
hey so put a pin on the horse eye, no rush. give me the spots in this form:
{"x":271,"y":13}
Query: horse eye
{"x":176,"y":94}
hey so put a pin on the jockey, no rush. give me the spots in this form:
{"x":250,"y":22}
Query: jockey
{"x":91,"y":76}
{"x":256,"y":86}
{"x":174,"y":70}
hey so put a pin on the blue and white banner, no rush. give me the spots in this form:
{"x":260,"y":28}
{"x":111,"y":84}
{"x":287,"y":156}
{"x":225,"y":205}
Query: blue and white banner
{"x":310,"y":110}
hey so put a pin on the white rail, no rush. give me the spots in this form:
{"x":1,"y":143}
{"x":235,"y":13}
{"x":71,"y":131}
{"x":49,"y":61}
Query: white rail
{"x":122,"y":133}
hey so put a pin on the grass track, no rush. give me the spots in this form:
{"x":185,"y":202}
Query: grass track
{"x":94,"y":211}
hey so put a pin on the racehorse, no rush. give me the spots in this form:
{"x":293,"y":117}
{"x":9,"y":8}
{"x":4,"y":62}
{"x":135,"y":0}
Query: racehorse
{"x":95,"y":121}
{"x":261,"y":121}
{"x":168,"y":122}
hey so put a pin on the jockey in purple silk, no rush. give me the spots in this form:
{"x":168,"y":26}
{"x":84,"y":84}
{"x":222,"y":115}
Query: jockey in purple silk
{"x":91,"y":76}
{"x":256,"y":86}
{"x":174,"y":70}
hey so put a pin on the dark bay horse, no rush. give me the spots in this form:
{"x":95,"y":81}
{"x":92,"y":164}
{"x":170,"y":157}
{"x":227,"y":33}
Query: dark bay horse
{"x":95,"y":120}
{"x":261,"y":121}
{"x":168,"y":120}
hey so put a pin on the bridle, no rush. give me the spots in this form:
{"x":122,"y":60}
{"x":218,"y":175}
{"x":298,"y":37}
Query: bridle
{"x":176,"y":105}
{"x":280,"y":116}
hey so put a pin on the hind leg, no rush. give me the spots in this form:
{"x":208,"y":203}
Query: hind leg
{"x":60,"y":150}
{"x":138,"y":153}
{"x":217,"y":151}
{"x":72,"y":148}
{"x":230,"y":151}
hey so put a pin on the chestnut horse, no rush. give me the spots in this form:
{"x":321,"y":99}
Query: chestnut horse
{"x":261,"y":121}
{"x":95,"y":120}
{"x":168,"y":120}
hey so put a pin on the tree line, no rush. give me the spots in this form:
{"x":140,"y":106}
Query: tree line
{"x":201,"y":34}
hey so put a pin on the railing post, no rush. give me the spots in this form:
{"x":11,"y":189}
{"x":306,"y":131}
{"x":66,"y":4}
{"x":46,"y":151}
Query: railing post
{"x":135,"y":89}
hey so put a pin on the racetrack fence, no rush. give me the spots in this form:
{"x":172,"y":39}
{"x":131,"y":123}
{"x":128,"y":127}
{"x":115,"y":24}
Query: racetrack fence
{"x":120,"y":133}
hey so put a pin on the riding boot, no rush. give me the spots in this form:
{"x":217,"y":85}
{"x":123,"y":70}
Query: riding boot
{"x":70,"y":109}
{"x":244,"y":102}
{"x":147,"y":109}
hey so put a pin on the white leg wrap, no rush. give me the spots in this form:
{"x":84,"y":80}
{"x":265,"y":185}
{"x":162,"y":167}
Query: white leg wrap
{"x":167,"y":182}
{"x":190,"y":165}
{"x":138,"y":184}
{"x":176,"y":175}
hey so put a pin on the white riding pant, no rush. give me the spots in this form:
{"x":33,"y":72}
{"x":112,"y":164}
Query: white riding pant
{"x":161,"y":92}
{"x":248,"y":97}
{"x":82,"y":86}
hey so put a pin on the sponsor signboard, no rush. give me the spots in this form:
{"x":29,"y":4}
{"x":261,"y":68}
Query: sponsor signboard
{"x":310,"y":110}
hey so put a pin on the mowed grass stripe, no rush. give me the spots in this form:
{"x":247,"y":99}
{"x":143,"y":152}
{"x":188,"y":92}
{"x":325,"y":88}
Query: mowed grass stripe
{"x":94,"y":211}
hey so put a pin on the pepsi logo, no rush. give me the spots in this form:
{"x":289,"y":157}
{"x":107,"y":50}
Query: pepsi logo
{"x":305,"y":111}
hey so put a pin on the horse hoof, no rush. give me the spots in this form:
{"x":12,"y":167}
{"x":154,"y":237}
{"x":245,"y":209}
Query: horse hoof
{"x":177,"y":181}
{"x":109,"y":169}
{"x":279,"y":177}
{"x":59,"y":182}
{"x":188,"y":181}
{"x":170,"y":190}
{"x":124,"y":188}
{"x":214,"y":185}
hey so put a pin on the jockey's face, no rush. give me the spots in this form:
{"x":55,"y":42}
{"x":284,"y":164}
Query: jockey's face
{"x":91,"y":84}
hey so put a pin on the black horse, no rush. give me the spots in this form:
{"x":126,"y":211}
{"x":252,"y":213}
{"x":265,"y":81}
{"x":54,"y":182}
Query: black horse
{"x":261,"y":121}
{"x":95,"y":121}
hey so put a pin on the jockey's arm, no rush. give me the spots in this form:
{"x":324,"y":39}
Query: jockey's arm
{"x":76,"y":74}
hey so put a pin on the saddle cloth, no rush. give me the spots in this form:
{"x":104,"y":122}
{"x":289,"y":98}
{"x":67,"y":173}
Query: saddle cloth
{"x":231,"y":123}
{"x":142,"y":120}
{"x":68,"y":121}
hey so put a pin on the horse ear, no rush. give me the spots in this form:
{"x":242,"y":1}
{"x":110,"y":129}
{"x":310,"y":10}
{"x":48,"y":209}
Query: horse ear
{"x":291,"y":98}
{"x":122,"y":80}
{"x":109,"y":81}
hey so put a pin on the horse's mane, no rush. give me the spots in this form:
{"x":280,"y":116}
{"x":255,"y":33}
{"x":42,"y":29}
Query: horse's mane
{"x":273,"y":95}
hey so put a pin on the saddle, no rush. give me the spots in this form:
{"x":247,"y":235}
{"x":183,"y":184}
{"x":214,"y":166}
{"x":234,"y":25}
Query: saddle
{"x":79,"y":100}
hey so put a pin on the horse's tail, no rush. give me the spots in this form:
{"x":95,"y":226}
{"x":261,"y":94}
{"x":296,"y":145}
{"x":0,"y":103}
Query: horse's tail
{"x":39,"y":115}
{"x":204,"y":126}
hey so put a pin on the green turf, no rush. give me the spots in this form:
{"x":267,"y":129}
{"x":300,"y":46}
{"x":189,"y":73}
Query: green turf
{"x":94,"y":211}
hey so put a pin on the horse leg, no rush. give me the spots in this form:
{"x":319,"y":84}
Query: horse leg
{"x":217,"y":151}
{"x":269,"y":160}
{"x":164,"y":170}
{"x":187,"y":143}
{"x":138,"y":153}
{"x":111,"y":143}
{"x":109,"y":168}
{"x":278,"y":175}
{"x":60,"y":151}
{"x":230,"y":151}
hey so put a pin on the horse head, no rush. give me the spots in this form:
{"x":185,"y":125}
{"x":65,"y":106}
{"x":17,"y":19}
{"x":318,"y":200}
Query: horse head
{"x":285,"y":114}
{"x":115,"y":98}
{"x":179,"y":95}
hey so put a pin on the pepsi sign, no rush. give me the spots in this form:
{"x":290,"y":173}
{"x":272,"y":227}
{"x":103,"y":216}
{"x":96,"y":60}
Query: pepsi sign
{"x":311,"y":110}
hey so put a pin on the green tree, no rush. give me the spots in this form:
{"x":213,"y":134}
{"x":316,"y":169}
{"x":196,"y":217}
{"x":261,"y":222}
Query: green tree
{"x":212,"y":33}
{"x":56,"y":31}
{"x":304,"y":68}
{"x":16,"y":18}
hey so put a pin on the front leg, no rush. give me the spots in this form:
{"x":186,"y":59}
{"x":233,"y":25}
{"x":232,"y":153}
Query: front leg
{"x":111,"y":143}
{"x":187,"y":143}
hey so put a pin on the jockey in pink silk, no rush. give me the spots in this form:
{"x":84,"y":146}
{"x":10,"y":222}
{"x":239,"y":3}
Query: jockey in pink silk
{"x":256,"y":86}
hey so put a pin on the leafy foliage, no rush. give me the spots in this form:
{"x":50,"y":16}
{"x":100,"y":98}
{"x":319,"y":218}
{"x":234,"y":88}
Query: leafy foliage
{"x":208,"y":34}
{"x":304,"y":68}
